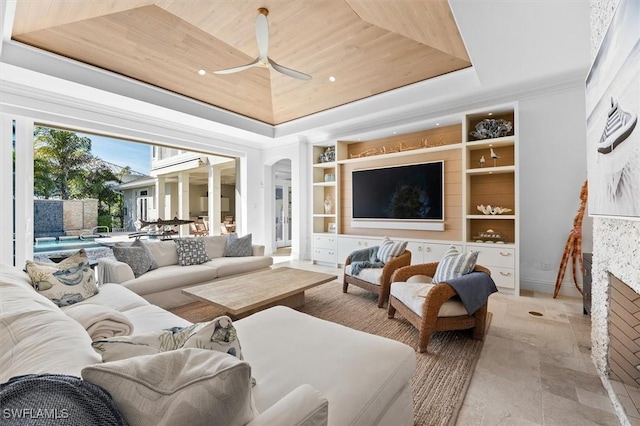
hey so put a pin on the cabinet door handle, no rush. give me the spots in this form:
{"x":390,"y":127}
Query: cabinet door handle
{"x":359,"y":243}
{"x":505,"y":254}
{"x":419,"y":248}
{"x":505,"y":274}
{"x":428,"y":249}
{"x":366,"y":244}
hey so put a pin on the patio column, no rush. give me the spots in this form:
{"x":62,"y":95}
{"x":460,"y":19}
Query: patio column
{"x":213,"y":203}
{"x":183,"y":202}
{"x":160,"y":198}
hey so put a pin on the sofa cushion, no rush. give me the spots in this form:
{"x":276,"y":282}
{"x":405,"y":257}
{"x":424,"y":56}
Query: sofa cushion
{"x":35,"y":334}
{"x":238,"y":247}
{"x":66,"y":283}
{"x":173,"y":276}
{"x":188,"y":386}
{"x":389,"y":249}
{"x":373,"y":382}
{"x":453,"y":264}
{"x":191,"y":251}
{"x":151,"y":317}
{"x":228,"y":266}
{"x":114,"y":296}
{"x":137,"y":256}
{"x":164,"y":252}
{"x":215,"y":245}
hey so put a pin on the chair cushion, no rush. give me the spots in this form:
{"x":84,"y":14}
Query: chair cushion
{"x":413,"y":296}
{"x":425,"y":279}
{"x":454,"y":264}
{"x":370,"y":275}
{"x":389,"y":249}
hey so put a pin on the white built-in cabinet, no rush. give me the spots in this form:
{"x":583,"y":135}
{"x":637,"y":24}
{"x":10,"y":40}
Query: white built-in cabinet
{"x":486,"y":181}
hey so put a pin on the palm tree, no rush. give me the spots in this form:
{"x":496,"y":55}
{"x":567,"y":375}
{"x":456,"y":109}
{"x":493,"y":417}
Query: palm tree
{"x":61,"y":156}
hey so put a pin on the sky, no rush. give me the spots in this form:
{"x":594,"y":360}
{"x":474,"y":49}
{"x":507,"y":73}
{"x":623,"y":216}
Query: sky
{"x":123,"y":153}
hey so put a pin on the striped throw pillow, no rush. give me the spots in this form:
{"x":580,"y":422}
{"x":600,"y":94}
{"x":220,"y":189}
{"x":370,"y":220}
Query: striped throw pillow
{"x":389,"y":249}
{"x":454,"y":264}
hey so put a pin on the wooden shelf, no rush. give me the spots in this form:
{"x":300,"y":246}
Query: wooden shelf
{"x":492,"y":216}
{"x":440,"y":148}
{"x":327,"y":165}
{"x":324,"y":215}
{"x":330,"y":183}
{"x":491,"y":170}
{"x":490,"y":143}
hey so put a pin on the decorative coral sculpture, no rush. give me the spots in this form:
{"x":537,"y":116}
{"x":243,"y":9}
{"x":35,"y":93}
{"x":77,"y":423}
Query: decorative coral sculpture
{"x":492,"y":128}
{"x":492,"y":210}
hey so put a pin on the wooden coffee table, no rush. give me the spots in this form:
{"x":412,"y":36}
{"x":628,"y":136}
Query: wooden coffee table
{"x":245,"y":294}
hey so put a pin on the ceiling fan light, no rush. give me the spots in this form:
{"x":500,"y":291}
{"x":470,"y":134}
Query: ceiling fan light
{"x":332,"y":78}
{"x":202,"y":72}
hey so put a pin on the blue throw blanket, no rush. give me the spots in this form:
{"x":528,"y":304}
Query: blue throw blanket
{"x":474,"y":289}
{"x":365,"y":258}
{"x":47,"y":399}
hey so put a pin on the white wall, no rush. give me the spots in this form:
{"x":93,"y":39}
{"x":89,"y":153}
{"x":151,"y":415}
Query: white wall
{"x":552,"y":171}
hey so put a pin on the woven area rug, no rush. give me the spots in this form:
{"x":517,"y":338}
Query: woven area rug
{"x":443,"y":374}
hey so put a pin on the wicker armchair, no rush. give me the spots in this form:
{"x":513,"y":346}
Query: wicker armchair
{"x":429,"y":321}
{"x":383,"y":289}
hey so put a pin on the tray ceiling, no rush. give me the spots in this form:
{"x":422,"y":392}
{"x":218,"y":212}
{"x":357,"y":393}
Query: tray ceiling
{"x":369,"y":46}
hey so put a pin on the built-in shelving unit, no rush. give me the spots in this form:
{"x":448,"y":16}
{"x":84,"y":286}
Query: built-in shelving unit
{"x":477,"y":178}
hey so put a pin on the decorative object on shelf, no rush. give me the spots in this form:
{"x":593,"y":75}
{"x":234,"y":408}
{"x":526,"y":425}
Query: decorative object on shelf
{"x":331,"y":227}
{"x":492,"y":128}
{"x":495,"y":157}
{"x":492,"y":210}
{"x":482,"y":160}
{"x":329,"y":177}
{"x":573,"y":248}
{"x":328,"y":155}
{"x":489,"y":236}
{"x":328,"y":204}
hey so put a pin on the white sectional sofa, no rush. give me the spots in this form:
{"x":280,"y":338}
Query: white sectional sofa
{"x":162,"y":286}
{"x":299,"y":362}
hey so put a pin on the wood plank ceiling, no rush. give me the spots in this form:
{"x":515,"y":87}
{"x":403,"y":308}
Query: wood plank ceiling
{"x":369,"y":46}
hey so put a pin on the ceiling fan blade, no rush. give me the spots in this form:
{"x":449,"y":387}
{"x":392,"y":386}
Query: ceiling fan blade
{"x":238,"y":69}
{"x":262,"y":33}
{"x":288,"y":71}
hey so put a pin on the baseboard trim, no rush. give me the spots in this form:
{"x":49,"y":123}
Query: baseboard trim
{"x":568,"y":288}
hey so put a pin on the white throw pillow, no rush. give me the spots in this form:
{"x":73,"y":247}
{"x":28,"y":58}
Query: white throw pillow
{"x":389,"y":249}
{"x":454,"y":264}
{"x":68,"y":282}
{"x":188,"y":386}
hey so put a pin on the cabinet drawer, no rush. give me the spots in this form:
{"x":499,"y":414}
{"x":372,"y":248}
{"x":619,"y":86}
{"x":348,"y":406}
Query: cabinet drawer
{"x":324,"y":255}
{"x":502,"y":257}
{"x":323,"y":241}
{"x":503,"y":277}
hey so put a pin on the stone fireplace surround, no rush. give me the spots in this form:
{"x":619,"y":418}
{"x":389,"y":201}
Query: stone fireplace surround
{"x":616,"y":250}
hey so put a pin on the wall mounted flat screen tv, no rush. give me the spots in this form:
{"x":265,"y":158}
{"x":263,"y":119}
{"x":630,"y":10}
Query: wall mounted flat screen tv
{"x":407,"y":192}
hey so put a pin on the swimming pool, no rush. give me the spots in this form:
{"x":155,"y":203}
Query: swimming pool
{"x":62,"y":245}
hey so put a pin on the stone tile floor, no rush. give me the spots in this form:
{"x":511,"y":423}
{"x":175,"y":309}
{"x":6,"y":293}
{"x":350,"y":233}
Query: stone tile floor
{"x":533,"y":370}
{"x":536,"y":370}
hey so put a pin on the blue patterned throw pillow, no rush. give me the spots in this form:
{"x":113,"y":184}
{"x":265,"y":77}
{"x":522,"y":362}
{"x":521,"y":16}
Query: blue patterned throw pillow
{"x":454,"y":264}
{"x":191,"y":251}
{"x":238,"y":247}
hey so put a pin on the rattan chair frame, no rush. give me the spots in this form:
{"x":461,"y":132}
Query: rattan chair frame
{"x":384,"y":288}
{"x":430,"y":322}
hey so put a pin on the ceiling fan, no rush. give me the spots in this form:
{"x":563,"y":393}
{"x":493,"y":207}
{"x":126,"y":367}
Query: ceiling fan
{"x":263,"y":60}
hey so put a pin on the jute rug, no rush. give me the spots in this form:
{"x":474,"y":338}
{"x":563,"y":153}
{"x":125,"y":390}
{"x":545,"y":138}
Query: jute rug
{"x":443,"y":374}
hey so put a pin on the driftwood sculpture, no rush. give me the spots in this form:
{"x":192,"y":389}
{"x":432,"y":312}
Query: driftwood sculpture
{"x":573,"y":248}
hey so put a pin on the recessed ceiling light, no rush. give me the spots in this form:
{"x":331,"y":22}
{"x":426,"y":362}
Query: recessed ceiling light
{"x":332,"y":78}
{"x":394,"y":133}
{"x":437,"y":124}
{"x":202,"y":72}
{"x":490,"y":113}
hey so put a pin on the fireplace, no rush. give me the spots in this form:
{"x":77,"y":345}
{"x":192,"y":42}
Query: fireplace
{"x":624,"y":333}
